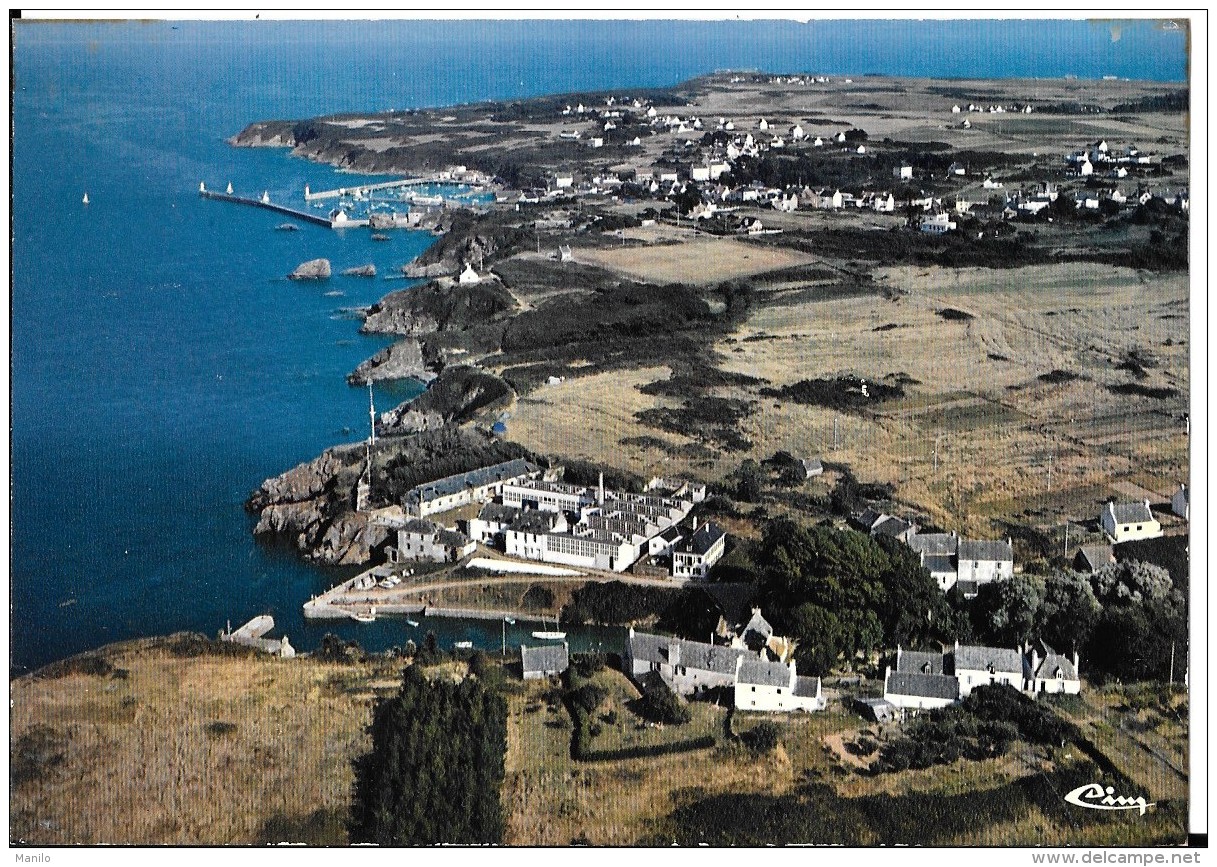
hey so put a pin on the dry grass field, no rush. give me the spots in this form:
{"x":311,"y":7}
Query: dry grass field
{"x":211,"y":750}
{"x":697,"y":261}
{"x":976,"y":396}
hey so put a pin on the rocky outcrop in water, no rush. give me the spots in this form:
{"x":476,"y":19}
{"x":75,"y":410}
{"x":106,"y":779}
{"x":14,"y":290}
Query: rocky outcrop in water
{"x":313,"y":269}
{"x":360,"y":271}
{"x":311,"y":507}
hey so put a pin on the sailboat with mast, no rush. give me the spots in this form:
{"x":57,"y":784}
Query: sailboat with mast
{"x":549,"y":634}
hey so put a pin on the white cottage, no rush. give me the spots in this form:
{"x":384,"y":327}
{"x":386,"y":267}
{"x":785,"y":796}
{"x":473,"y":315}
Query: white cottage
{"x":762,"y":685}
{"x":1125,"y":522}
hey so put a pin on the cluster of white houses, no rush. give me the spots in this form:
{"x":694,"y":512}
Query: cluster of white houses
{"x":950,"y":560}
{"x":528,"y":513}
{"x":969,"y":563}
{"x":756,"y":666}
{"x":926,"y":681}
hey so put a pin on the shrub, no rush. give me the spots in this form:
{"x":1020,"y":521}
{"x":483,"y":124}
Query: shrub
{"x":660,"y":704}
{"x":764,"y":738}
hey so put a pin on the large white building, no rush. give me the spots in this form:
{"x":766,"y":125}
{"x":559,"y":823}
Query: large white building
{"x":462,"y":489}
{"x":694,"y":557}
{"x":607,"y":530}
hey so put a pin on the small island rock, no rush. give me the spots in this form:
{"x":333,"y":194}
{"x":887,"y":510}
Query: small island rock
{"x":360,"y":271}
{"x":314,"y":269}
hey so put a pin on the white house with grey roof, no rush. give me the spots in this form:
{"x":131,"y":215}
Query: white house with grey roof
{"x":937,"y":552}
{"x":687,"y":667}
{"x":422,"y":540}
{"x":690,"y":667}
{"x":762,"y":685}
{"x":544,"y":661}
{"x":980,"y":562}
{"x":1126,"y":522}
{"x":696,"y":555}
{"x":975,"y":665}
{"x":927,"y":680}
{"x":1055,"y":672}
{"x":878,"y":523}
{"x":922,"y":681}
{"x":490,"y":525}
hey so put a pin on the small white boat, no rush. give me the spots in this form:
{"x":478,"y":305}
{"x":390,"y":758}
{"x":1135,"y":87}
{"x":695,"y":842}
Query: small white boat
{"x":413,"y":623}
{"x":463,"y":645}
{"x":229,"y":190}
{"x":85,"y":200}
{"x":361,"y":617}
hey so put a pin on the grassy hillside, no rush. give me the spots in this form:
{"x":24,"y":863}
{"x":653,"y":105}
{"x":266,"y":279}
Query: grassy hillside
{"x":181,"y":740}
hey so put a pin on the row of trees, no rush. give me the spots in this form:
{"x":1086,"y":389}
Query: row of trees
{"x":434,"y":743}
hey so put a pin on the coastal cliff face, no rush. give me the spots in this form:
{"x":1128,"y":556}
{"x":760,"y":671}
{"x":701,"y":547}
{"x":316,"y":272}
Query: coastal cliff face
{"x":403,"y":360}
{"x":436,"y":307}
{"x":310,"y":506}
{"x":457,"y":395}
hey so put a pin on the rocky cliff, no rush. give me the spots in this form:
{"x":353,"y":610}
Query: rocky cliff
{"x":403,"y":360}
{"x":457,"y":395}
{"x":437,"y":307}
{"x":311,"y":506}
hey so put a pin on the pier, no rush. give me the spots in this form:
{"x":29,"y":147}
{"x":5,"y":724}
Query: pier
{"x":364,"y":189}
{"x":250,"y":635}
{"x":342,"y":221}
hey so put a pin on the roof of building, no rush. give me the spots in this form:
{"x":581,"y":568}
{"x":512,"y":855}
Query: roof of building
{"x":534,"y":521}
{"x":419,"y":527}
{"x":762,"y":672}
{"x":693,"y":654}
{"x":759,"y":624}
{"x":1094,"y":557}
{"x":705,"y":538}
{"x":1055,"y":665}
{"x":807,"y":687}
{"x":939,"y":563}
{"x":967,"y":588}
{"x":473,"y":479}
{"x":923,"y":685}
{"x":916,"y":662}
{"x":868,"y":518}
{"x":671,"y":534}
{"x":813,"y":466}
{"x":934,"y":544}
{"x":1131,"y":513}
{"x":890,"y":526}
{"x":452,"y":538}
{"x":498,"y":513}
{"x":546,"y":658}
{"x":980,"y":550}
{"x":978,"y":658}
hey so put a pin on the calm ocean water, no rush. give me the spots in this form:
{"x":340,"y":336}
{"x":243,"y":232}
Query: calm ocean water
{"x":162,"y":367}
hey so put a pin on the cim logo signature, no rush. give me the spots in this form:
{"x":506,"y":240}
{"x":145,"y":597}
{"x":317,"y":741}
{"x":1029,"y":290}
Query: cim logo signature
{"x":1093,"y":796}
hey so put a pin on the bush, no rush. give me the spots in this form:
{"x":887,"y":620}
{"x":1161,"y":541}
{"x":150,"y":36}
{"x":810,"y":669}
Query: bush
{"x":588,"y":697}
{"x":660,"y":704}
{"x":764,"y":738}
{"x":538,"y":596}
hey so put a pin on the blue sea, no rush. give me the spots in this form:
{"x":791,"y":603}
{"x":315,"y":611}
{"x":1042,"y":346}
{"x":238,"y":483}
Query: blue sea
{"x":162,"y":366}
